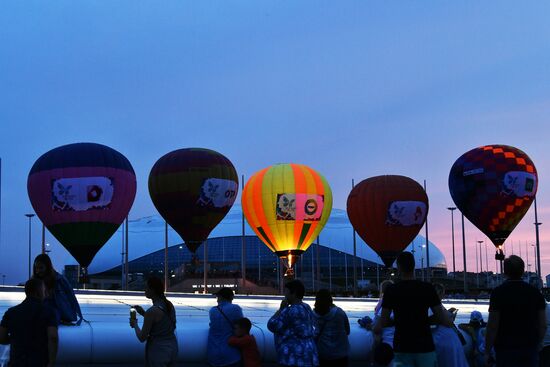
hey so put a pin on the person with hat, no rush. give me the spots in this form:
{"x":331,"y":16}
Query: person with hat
{"x":222,"y":320}
{"x":476,"y":330}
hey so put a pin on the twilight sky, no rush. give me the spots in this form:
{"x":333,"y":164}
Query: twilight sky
{"x":352,"y":88}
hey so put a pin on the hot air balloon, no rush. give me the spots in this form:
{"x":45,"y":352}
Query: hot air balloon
{"x":193,"y":189}
{"x":494,"y":186}
{"x":287,"y":205}
{"x":82,"y":192}
{"x":387,"y":212}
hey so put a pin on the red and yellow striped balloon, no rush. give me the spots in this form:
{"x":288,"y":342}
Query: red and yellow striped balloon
{"x":287,"y":205}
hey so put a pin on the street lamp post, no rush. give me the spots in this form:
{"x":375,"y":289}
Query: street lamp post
{"x":487,"y":265}
{"x":452,"y":209}
{"x":422,"y":247}
{"x":30,"y":215}
{"x":537,"y":224}
{"x":477,"y":267}
{"x":464,"y":256}
{"x":480,"y":258}
{"x":537,"y":270}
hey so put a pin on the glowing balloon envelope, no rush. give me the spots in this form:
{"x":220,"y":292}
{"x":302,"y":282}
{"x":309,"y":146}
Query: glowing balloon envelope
{"x":82,"y":192}
{"x":494,"y":186}
{"x":287,"y":205}
{"x":193,"y":189}
{"x":387,"y":212}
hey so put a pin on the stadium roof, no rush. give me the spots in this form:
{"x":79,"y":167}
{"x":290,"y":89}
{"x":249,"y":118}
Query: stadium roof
{"x":146,"y":235}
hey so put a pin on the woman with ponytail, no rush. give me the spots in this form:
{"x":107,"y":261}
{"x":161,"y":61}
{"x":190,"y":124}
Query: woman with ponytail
{"x":159,"y":326}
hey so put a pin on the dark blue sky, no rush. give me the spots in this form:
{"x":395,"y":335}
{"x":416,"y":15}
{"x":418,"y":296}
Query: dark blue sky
{"x":352,"y":88}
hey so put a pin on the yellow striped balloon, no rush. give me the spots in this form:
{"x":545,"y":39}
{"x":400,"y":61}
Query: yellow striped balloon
{"x":287,"y":205}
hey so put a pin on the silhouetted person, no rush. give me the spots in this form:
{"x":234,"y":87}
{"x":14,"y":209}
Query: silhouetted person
{"x":517,"y":319}
{"x":159,"y":326}
{"x":222,"y":321}
{"x":331,"y":331}
{"x":31,"y":329}
{"x":410,"y":300}
{"x":448,"y":345}
{"x":293,"y":329}
{"x":59,"y":293}
{"x":246,"y":343}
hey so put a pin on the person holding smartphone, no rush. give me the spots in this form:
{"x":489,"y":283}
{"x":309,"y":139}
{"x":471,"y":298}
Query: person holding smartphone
{"x":159,"y":326}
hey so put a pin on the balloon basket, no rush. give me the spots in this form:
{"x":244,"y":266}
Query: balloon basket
{"x":83,"y":277}
{"x":499,"y":255}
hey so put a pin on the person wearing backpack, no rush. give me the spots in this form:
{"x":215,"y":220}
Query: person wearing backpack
{"x":222,"y":320}
{"x":159,"y":326}
{"x":59,"y":293}
{"x":331,"y":332}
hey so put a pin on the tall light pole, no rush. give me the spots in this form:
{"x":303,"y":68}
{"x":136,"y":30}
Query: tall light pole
{"x":43,"y":238}
{"x":243,"y":243}
{"x":452,"y":209}
{"x":535,"y":261}
{"x":354,"y":254}
{"x":464,"y":256}
{"x":427,"y":242}
{"x":480,"y":257}
{"x":166,"y":256}
{"x":30,"y":215}
{"x":537,"y":224}
{"x":487,"y":264}
{"x":477,"y":266}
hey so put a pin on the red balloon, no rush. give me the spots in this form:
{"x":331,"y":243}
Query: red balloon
{"x":387,"y":212}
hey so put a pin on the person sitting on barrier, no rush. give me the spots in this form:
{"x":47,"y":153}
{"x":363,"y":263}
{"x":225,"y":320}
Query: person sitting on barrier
{"x":246,"y":343}
{"x":383,"y":287}
{"x":331,"y":331}
{"x":293,"y":329}
{"x":59,"y":293}
{"x":222,"y":321}
{"x":389,"y":330}
{"x":159,"y":326}
{"x":31,"y":329}
{"x":448,"y":344}
{"x":476,"y":330}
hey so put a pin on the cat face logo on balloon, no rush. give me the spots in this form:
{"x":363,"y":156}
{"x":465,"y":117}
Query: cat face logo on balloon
{"x":218,"y":193}
{"x":62,"y":196}
{"x":286,"y":207}
{"x":406,"y":213}
{"x":306,"y":207}
{"x":519,"y":184}
{"x":82,"y":193}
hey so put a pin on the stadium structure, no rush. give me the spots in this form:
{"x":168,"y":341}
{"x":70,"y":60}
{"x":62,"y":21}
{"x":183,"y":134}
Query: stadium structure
{"x":328,"y":262}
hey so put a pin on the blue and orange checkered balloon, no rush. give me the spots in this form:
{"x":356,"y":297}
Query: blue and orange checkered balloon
{"x":494,"y":186}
